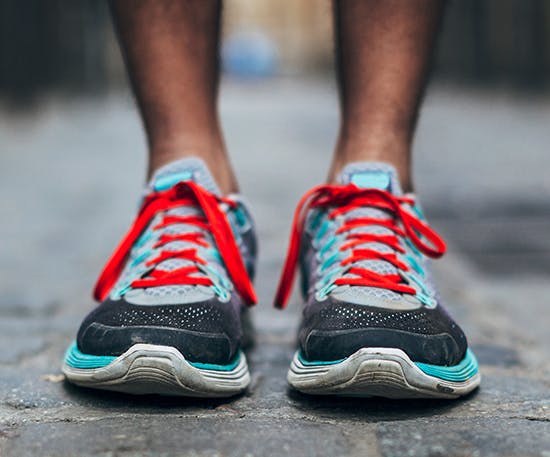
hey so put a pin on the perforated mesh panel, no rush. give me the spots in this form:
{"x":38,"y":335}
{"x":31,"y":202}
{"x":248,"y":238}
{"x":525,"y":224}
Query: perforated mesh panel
{"x":201,"y":317}
{"x":190,"y":318}
{"x":345,"y":317}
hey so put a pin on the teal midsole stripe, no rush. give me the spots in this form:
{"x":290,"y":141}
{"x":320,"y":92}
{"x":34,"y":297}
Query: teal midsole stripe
{"x":463,"y":371}
{"x":77,"y":359}
{"x":312,"y":363}
{"x":214,"y":367}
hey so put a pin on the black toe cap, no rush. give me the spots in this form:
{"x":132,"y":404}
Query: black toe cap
{"x":333,"y":330}
{"x":206,"y":332}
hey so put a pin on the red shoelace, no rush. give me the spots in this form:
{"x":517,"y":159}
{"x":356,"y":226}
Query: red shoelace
{"x":347,"y":198}
{"x":214,"y":221}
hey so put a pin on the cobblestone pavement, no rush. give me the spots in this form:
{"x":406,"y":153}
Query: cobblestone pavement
{"x":69,"y":177}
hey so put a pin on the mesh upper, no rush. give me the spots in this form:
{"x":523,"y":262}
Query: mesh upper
{"x":361,"y":294}
{"x":157,"y":295}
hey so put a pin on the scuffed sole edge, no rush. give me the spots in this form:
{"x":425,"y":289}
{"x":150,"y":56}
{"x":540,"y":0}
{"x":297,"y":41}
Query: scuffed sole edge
{"x":380,"y":372}
{"x":151,"y":369}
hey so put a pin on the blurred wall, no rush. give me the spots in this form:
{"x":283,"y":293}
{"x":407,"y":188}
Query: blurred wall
{"x":494,"y":41}
{"x":53,"y":44}
{"x":483,"y":41}
{"x":69,"y":45}
{"x":300,"y":29}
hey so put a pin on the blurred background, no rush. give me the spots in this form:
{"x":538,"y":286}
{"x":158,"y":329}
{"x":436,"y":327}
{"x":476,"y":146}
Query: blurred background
{"x":65,"y":45}
{"x":69,"y":46}
{"x":72,"y":164}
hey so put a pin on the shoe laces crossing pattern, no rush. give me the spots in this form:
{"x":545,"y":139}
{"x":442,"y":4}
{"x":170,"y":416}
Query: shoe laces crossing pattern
{"x":402,"y":224}
{"x":212,"y":219}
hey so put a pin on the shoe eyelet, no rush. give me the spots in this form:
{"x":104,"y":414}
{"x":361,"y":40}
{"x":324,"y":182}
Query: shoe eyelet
{"x":223,"y":295}
{"x":322,"y":294}
{"x":429,"y":302}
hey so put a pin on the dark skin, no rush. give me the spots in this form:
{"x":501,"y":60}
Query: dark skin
{"x":384,"y":49}
{"x":171,"y":53}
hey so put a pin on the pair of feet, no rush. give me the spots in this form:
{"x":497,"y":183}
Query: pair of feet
{"x":175,"y":292}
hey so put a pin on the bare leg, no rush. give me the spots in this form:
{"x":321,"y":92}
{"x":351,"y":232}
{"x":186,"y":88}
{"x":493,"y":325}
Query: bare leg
{"x":171,"y":52}
{"x":384,"y":49}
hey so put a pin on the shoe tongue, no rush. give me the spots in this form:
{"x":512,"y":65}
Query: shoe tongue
{"x":191,"y":169}
{"x":371,"y":175}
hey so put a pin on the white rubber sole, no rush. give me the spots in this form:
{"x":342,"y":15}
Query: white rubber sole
{"x":149,"y":369}
{"x":375,"y":372}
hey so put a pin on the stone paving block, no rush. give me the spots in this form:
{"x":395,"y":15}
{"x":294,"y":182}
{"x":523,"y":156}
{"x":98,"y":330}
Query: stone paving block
{"x":182,"y":436}
{"x":489,"y":437}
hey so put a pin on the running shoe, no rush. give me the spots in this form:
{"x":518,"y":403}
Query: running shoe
{"x":172,"y":295}
{"x":373,"y":323}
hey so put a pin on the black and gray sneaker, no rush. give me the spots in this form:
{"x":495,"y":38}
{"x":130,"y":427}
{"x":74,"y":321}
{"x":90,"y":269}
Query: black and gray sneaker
{"x":172,"y":295}
{"x":373,"y":324}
